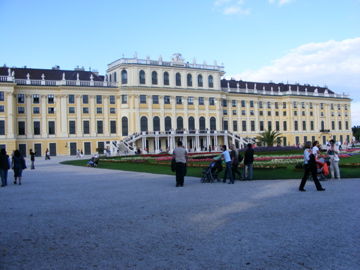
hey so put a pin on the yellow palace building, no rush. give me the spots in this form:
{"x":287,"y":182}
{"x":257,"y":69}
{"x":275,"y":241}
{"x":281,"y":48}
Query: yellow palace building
{"x":150,"y":104}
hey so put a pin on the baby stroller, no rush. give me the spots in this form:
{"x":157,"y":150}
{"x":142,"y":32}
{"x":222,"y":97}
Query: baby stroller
{"x":322,"y":169}
{"x":93,"y":162}
{"x":210,"y":174}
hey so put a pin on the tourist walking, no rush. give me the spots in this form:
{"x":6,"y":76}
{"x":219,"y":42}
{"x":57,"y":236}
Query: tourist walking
{"x":333,"y":153}
{"x":32,"y":158}
{"x":18,"y":165}
{"x":234,"y":155}
{"x":248,"y":162}
{"x":315,"y":149}
{"x":4,"y":167}
{"x":310,"y":168}
{"x":47,"y":154}
{"x":228,"y":169}
{"x":180,"y":156}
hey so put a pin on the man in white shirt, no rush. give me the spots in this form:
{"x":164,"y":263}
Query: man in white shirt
{"x":315,"y":149}
{"x":226,"y":156}
{"x":180,"y":156}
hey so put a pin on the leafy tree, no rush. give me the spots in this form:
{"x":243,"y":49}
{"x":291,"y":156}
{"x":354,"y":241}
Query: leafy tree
{"x":356,"y":132}
{"x":269,"y":137}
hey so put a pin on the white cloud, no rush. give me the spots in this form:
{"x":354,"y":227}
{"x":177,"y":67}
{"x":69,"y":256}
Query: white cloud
{"x":332,"y":63}
{"x":231,"y":7}
{"x":280,"y":2}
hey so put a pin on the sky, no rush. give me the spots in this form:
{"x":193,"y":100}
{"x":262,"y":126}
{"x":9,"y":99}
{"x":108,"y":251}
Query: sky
{"x":295,"y":41}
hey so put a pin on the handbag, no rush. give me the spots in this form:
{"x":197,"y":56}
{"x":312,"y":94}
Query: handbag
{"x":173,"y":165}
{"x":336,"y":158}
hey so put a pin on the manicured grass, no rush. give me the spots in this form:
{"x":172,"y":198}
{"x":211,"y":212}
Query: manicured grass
{"x":265,"y":174}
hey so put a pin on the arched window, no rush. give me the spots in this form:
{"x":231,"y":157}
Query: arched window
{"x":124,"y":124}
{"x":178,"y":79}
{"x":124,"y":77}
{"x":142,"y":77}
{"x":189,"y":80}
{"x":156,"y":123}
{"x":191,"y":123}
{"x":212,"y":123}
{"x":143,"y":124}
{"x":211,"y":81}
{"x":200,"y":80}
{"x":166,"y":78}
{"x":154,"y":79}
{"x":167,"y":123}
{"x":202,"y":123}
{"x":115,"y":77}
{"x":179,"y":123}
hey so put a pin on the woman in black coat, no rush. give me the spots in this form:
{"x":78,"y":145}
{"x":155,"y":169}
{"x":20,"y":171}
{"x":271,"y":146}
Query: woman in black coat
{"x":18,"y":165}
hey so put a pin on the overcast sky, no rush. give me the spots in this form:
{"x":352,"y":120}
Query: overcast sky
{"x":305,"y":41}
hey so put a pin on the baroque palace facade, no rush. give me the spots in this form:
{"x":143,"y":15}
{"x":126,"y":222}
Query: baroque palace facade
{"x":150,"y":104}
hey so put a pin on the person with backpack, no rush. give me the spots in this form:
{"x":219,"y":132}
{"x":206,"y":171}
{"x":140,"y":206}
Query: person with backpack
{"x":4,"y":167}
{"x":234,"y":155}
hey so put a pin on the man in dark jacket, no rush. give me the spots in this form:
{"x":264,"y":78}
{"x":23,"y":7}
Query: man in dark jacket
{"x":248,"y":162}
{"x":4,"y":167}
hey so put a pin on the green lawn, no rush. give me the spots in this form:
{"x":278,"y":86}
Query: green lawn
{"x":281,"y":173}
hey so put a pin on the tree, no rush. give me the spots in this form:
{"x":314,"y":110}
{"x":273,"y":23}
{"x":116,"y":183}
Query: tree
{"x":356,"y":132}
{"x":269,"y":137}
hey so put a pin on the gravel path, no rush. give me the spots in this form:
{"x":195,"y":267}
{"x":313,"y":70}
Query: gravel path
{"x":66,"y":217}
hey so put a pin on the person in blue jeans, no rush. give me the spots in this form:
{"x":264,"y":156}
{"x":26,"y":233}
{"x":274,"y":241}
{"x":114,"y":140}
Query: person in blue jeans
{"x":4,"y":167}
{"x":248,"y":162}
{"x":228,"y":170}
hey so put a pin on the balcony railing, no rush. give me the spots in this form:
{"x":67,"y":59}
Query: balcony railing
{"x":58,"y":82}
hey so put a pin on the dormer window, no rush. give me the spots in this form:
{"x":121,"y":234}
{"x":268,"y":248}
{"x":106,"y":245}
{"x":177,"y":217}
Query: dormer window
{"x":142,"y":77}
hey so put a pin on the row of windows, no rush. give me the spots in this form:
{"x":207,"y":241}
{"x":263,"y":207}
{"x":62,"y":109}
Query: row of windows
{"x":178,"y":99}
{"x":71,"y":110}
{"x":166,"y":79}
{"x":71,"y":99}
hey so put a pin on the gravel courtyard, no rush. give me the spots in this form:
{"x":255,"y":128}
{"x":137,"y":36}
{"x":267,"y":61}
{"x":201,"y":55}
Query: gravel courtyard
{"x":67,"y":217}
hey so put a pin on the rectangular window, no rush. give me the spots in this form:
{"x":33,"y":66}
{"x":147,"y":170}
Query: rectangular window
{"x":112,"y":110}
{"x":260,"y":105}
{"x":211,"y":101}
{"x":333,"y":125}
{"x":142,"y":99}
{"x":243,"y":103}
{"x":85,"y":99}
{"x":277,"y":125}
{"x":124,"y":99}
{"x":321,"y":106}
{"x":21,"y":110}
{"x":276,"y":105}
{"x":225,"y":112}
{"x":21,"y":98}
{"x":36,"y":110}
{"x":21,"y":128}
{"x":347,"y":126}
{"x":295,"y":104}
{"x":233,"y":103}
{"x":234,"y":112}
{"x":86,"y":127}
{"x":296,"y":125}
{"x":155,"y":99}
{"x":310,"y":105}
{"x":2,"y":127}
{"x":252,"y":125}
{"x":201,"y":101}
{"x":51,"y":126}
{"x":36,"y":127}
{"x":276,"y":113}
{"x":269,"y":125}
{"x":285,"y":126}
{"x":51,"y":99}
{"x":112,"y":99}
{"x":2,"y":108}
{"x":99,"y":127}
{"x":252,"y":112}
{"x":339,"y":107}
{"x":235,"y":126}
{"x":295,"y":113}
{"x":224,"y":102}
{"x":261,"y":125}
{"x":98,"y":110}
{"x":304,"y":125}
{"x":261,"y":113}
{"x":112,"y":127}
{"x":331,"y":106}
{"x":225,"y":125}
{"x":311,"y":113}
{"x":303,"y":113}
{"x":2,"y":96}
{"x":284,"y":105}
{"x":251,"y":104}
{"x":345,"y":107}
{"x":71,"y":99}
{"x":311,"y":125}
{"x":166,"y":99}
{"x":243,"y":112}
{"x":243,"y":124}
{"x":178,"y":100}
{"x":85,"y":109}
{"x":340,"y":125}
{"x":303,"y":105}
{"x":284,"y":113}
{"x":269,"y":105}
{"x":71,"y":109}
{"x":190,"y":100}
{"x":51,"y":110}
{"x":36,"y":99}
{"x":71,"y":127}
{"x":98,"y":99}
{"x":269,"y":113}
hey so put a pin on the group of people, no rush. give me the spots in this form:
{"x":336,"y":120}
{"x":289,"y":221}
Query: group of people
{"x":311,"y":158}
{"x":16,"y":162}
